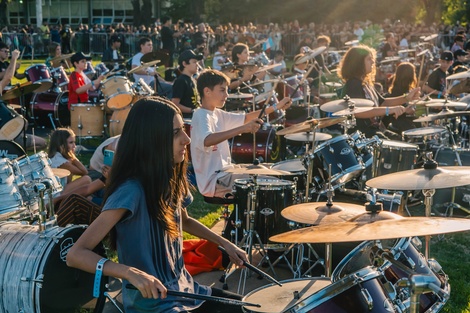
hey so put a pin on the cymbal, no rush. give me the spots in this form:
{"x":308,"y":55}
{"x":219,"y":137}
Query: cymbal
{"x":263,"y":96}
{"x":430,"y":37}
{"x":333,"y":84}
{"x":328,"y":95}
{"x":439,"y":116}
{"x":143,"y":66}
{"x":460,"y":75}
{"x":318,"y":213}
{"x":351,"y":42}
{"x":461,"y":87}
{"x":267,"y":67}
{"x":240,"y":95}
{"x":440,"y":104}
{"x":390,"y":59}
{"x":424,"y":131}
{"x":266,"y":82}
{"x":308,"y":137}
{"x":383,"y":229}
{"x":62,"y":57}
{"x":351,"y":111}
{"x":341,"y":104}
{"x":19,"y":90}
{"x":256,"y":170}
{"x":162,"y":56}
{"x":422,"y":52}
{"x":61,"y":172}
{"x":419,"y":179}
{"x":406,"y":51}
{"x":45,"y":86}
{"x":308,"y":125}
{"x":310,"y":55}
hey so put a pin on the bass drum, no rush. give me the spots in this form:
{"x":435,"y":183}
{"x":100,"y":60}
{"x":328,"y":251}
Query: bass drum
{"x":11,"y":123}
{"x":34,"y":276}
{"x":117,"y":121}
{"x":269,"y":147}
{"x":11,"y":150}
{"x":50,"y":107}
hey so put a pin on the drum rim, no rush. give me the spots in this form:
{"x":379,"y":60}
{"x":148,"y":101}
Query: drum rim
{"x":117,"y":77}
{"x":332,"y":140}
{"x":401,"y":145}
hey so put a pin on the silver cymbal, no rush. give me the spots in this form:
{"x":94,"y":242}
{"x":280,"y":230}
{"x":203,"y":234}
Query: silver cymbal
{"x":460,"y":75}
{"x":319,"y":213}
{"x":351,"y":111}
{"x":390,"y":60}
{"x":430,"y":37}
{"x":240,"y":96}
{"x":308,"y":125}
{"x":308,"y":136}
{"x":351,"y":42}
{"x":341,"y":104}
{"x":310,"y":55}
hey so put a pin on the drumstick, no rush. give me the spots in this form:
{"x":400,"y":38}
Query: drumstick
{"x":254,"y":269}
{"x":302,"y":80}
{"x":203,"y":297}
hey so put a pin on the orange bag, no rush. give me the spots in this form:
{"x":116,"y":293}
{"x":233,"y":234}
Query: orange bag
{"x":201,"y":255}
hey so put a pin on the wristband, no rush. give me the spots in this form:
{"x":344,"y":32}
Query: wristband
{"x":439,"y":94}
{"x":93,"y":84}
{"x":98,"y":274}
{"x":386,"y":111}
{"x":103,"y":179}
{"x":275,"y":106}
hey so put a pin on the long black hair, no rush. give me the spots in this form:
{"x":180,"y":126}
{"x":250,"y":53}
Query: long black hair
{"x":145,"y":153}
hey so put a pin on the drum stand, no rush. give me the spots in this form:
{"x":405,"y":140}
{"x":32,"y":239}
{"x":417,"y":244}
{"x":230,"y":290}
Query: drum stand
{"x":247,"y":243}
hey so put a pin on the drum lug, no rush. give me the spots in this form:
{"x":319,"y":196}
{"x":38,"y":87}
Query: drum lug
{"x":368,"y":298}
{"x":39,"y":280}
{"x":332,"y":151}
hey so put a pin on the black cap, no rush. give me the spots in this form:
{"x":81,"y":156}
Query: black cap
{"x":79,"y":56}
{"x":447,"y":56}
{"x":188,"y":55}
{"x":459,"y":53}
{"x":116,"y":38}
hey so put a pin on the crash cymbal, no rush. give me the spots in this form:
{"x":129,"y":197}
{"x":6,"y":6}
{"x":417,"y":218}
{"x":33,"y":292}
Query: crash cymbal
{"x":259,"y":169}
{"x":341,"y":104}
{"x":424,"y":131}
{"x":444,"y":114}
{"x":430,"y":37}
{"x":240,"y":95}
{"x":453,"y":104}
{"x":310,"y":55}
{"x":349,"y":111}
{"x":310,"y":124}
{"x":390,"y":60}
{"x":144,"y":66}
{"x":162,"y":56}
{"x":62,"y":57}
{"x":333,"y":84}
{"x":61,"y":172}
{"x":267,"y":67}
{"x":460,"y":75}
{"x":351,"y":42}
{"x":420,"y":179}
{"x":19,"y":90}
{"x":374,"y":230}
{"x":319,"y":213}
{"x":406,"y":51}
{"x":308,"y":137}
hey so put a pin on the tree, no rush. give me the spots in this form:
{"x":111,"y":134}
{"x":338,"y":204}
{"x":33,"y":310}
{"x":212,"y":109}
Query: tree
{"x":3,"y":12}
{"x":456,"y":11}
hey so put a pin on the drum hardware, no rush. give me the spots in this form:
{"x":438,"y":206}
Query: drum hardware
{"x":310,"y":125}
{"x":308,"y":136}
{"x":341,"y":104}
{"x":143,"y":66}
{"x":310,"y":54}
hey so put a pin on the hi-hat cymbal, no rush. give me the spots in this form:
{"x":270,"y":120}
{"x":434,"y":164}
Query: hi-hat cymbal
{"x":61,"y":172}
{"x":420,"y":179}
{"x":259,"y":169}
{"x":143,"y":66}
{"x":341,"y":104}
{"x":430,"y":37}
{"x":308,"y":137}
{"x":349,"y":111}
{"x":310,"y":124}
{"x":439,"y":116}
{"x":310,"y":55}
{"x":460,"y":75}
{"x":62,"y":57}
{"x":383,"y":229}
{"x":162,"y":56}
{"x":240,"y":95}
{"x":390,"y":59}
{"x":318,"y":213}
{"x":19,"y":90}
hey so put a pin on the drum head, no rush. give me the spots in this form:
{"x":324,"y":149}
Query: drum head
{"x":11,"y":150}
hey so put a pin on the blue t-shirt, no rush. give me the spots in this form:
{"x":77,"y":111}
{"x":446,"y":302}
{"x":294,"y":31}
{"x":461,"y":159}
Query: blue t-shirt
{"x":143,"y":244}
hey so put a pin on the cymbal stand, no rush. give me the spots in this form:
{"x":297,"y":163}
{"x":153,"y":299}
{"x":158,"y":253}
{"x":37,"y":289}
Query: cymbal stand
{"x":254,"y":134}
{"x":428,"y":194}
{"x":23,"y":112}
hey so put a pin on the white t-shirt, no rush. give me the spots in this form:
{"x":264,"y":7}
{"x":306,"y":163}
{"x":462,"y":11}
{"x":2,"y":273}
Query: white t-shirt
{"x":215,"y":62}
{"x":136,"y":61}
{"x":209,"y":161}
{"x":57,"y":160}
{"x":97,"y":160}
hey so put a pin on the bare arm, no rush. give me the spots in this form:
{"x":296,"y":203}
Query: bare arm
{"x":10,"y":72}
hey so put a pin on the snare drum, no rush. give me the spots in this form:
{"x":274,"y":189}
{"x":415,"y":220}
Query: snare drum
{"x":50,"y":107}
{"x":395,"y":156}
{"x":340,"y":153}
{"x":269,"y":146}
{"x":89,"y":70}
{"x":38,"y":73}
{"x":272,"y":196}
{"x":425,"y":137}
{"x":87,"y":120}
{"x":118,"y":92}
{"x":60,"y":76}
{"x":11,"y":123}
{"x":297,"y":170}
{"x":12,"y":201}
{"x":117,"y":120}
{"x":274,"y":298}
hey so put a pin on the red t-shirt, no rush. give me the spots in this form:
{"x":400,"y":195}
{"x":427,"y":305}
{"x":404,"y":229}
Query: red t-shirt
{"x":76,"y":80}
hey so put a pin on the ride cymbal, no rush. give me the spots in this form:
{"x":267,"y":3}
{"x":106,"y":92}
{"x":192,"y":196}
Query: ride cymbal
{"x":162,"y":56}
{"x":374,"y":230}
{"x":143,"y":66}
{"x":439,"y":116}
{"x":319,"y":213}
{"x":19,"y":90}
{"x":310,"y":55}
{"x":460,"y":75}
{"x":259,"y":169}
{"x":311,"y":124}
{"x":420,"y":179}
{"x":341,"y":104}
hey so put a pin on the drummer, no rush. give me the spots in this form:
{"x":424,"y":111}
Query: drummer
{"x":80,"y":84}
{"x":357,"y":70}
{"x":4,"y":54}
{"x":211,"y":128}
{"x":112,"y":58}
{"x":55,"y":58}
{"x":240,"y":56}
{"x":6,"y":74}
{"x":436,"y":83}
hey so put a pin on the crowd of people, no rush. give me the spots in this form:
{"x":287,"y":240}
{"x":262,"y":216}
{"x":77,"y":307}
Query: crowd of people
{"x":144,"y":194}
